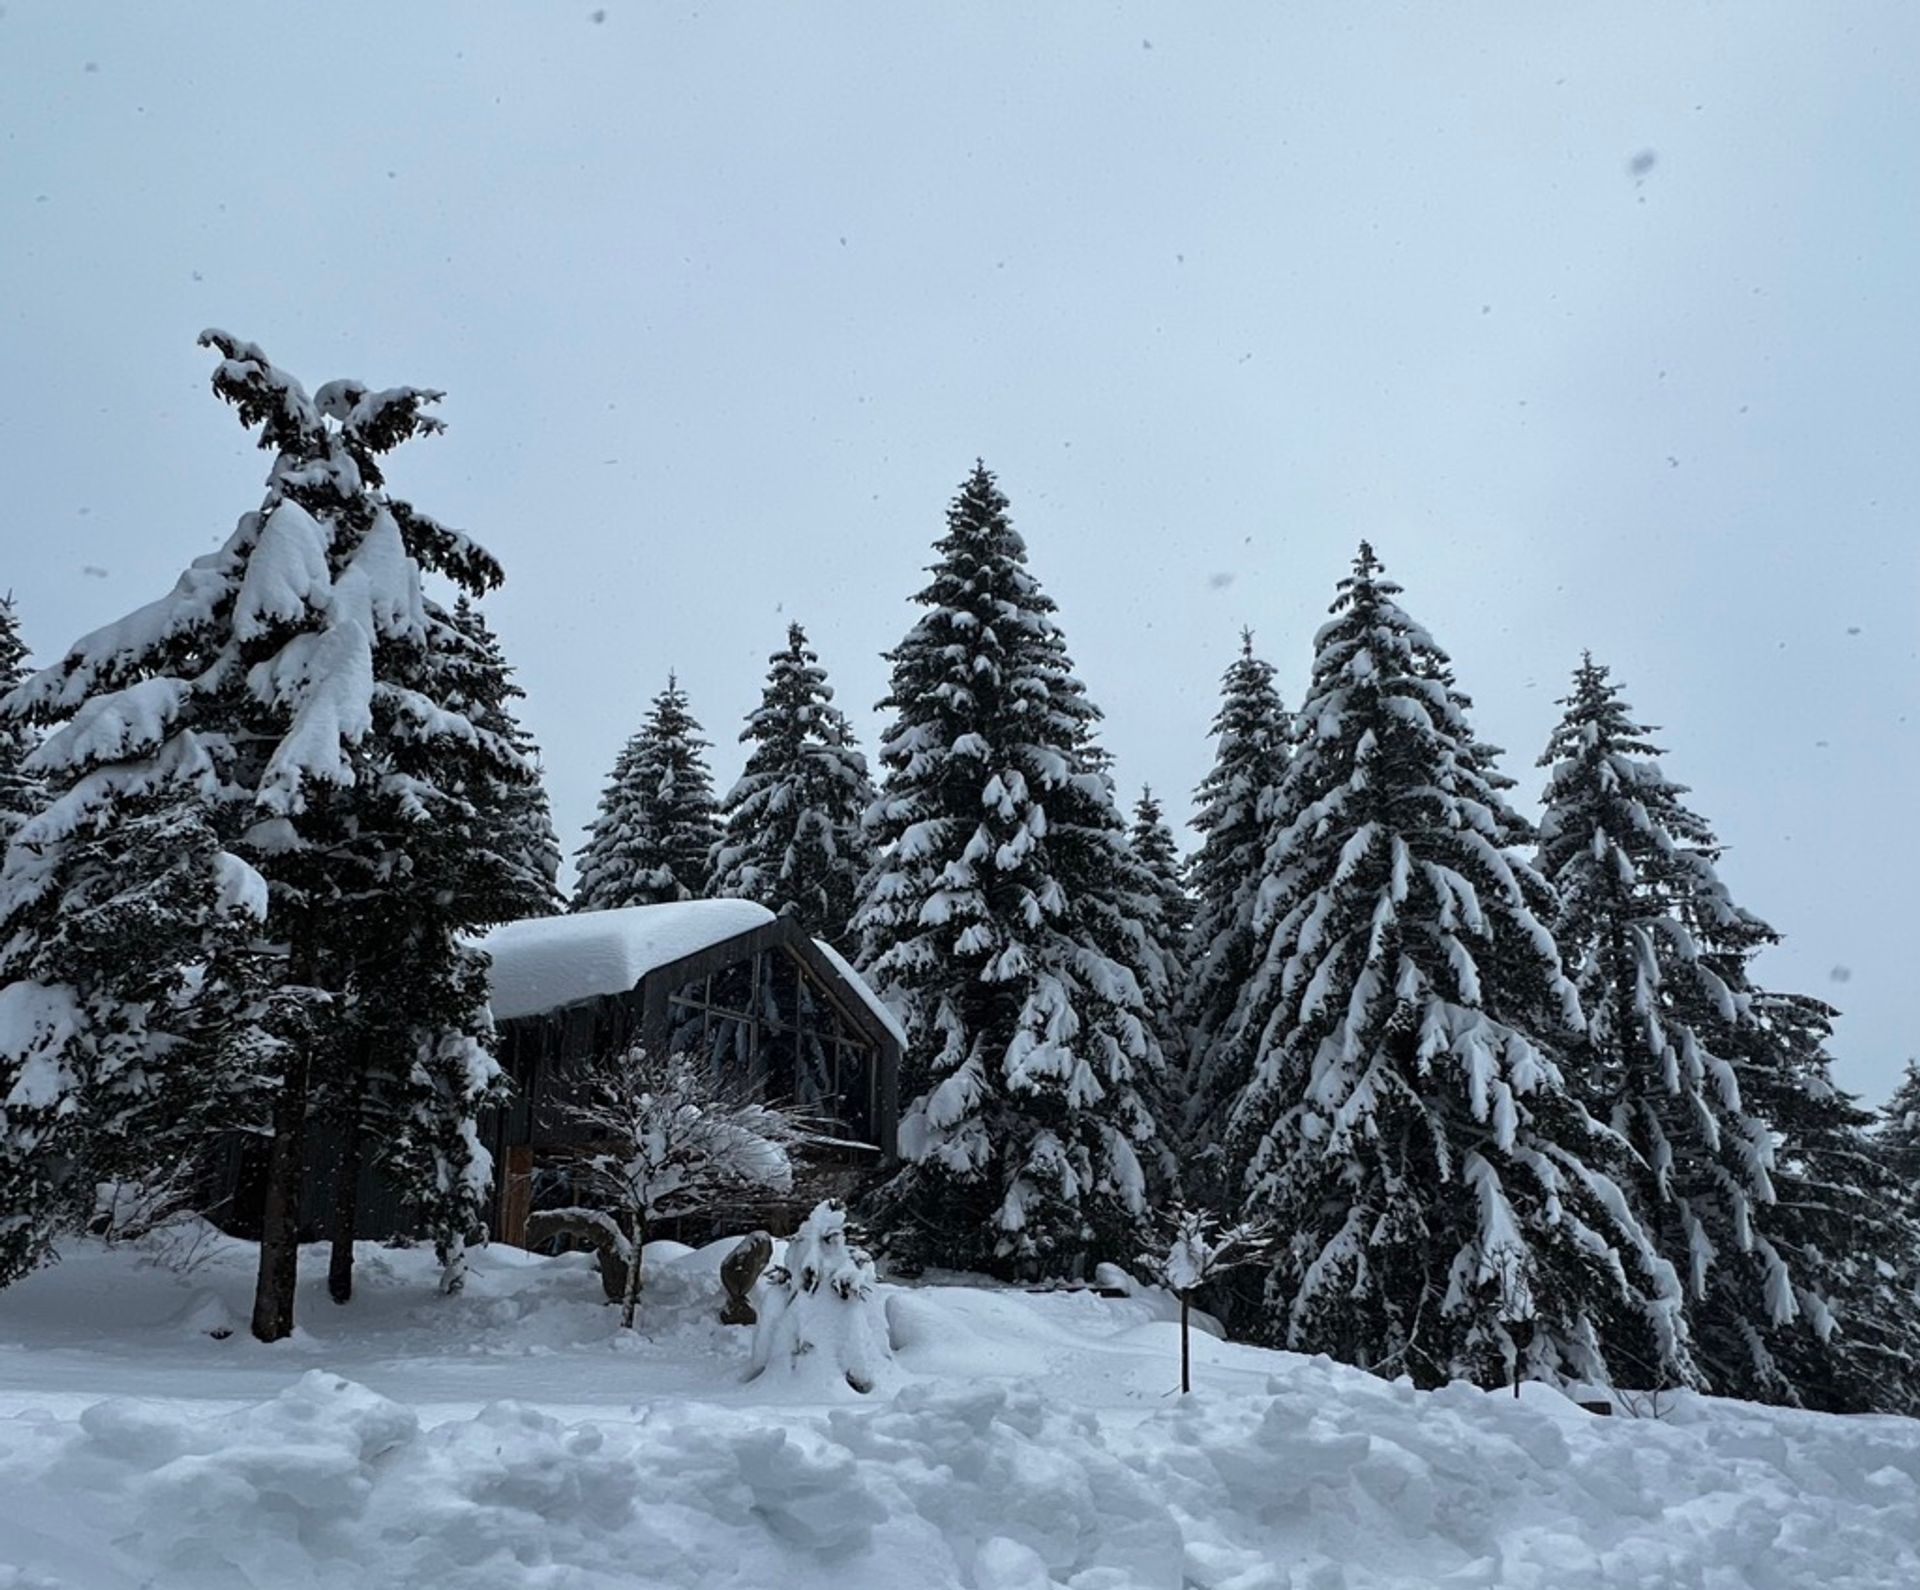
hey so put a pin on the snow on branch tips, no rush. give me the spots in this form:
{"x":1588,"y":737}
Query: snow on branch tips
{"x":661,"y":1138}
{"x":821,"y":1318}
{"x":1196,"y":1249}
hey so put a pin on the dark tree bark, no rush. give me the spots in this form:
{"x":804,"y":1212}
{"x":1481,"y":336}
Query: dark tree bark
{"x":279,"y":1274}
{"x":1186,"y":1347}
{"x":280,"y":1213}
{"x":345,"y":1216}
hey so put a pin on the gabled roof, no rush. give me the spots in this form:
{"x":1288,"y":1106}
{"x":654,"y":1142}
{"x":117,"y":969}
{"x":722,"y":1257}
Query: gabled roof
{"x":874,"y":1003}
{"x":547,"y":962}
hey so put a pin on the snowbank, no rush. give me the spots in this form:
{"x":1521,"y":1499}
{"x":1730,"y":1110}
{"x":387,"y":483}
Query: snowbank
{"x":1321,"y":1481}
{"x":553,"y":961}
{"x":1030,"y":1443}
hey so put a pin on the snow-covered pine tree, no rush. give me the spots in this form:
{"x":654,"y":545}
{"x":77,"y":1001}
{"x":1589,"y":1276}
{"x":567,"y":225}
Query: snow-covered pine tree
{"x":1840,"y":1218}
{"x":1898,"y":1135}
{"x":1444,"y":1198}
{"x":21,"y":794}
{"x":1166,"y":917}
{"x":657,"y":824}
{"x":1154,"y":846}
{"x":513,"y":814}
{"x":414,"y":1019}
{"x":793,"y":839}
{"x":1003,"y":923}
{"x":134,"y":1020}
{"x":1722,"y":1100}
{"x":1252,"y":735}
{"x":1896,"y":1145}
{"x":282,"y":690}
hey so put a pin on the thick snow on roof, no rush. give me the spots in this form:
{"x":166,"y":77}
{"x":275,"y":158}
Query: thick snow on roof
{"x":548,"y":962}
{"x":868,"y":997}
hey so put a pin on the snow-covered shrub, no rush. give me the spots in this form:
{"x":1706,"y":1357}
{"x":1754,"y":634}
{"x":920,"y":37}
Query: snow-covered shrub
{"x":666,"y":1141}
{"x":820,"y":1317}
{"x":1195,"y":1251}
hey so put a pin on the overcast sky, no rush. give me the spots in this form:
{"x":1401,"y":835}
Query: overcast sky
{"x":1599,"y":322}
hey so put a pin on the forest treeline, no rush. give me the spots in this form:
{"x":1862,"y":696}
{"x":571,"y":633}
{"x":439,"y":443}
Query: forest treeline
{"x":1501,"y":1085}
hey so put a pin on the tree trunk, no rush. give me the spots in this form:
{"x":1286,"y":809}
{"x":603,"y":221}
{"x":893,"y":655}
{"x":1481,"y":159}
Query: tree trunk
{"x":280,"y":1210}
{"x":345,"y":1218}
{"x":1186,"y":1348}
{"x":279,"y":1274}
{"x":631,"y":1301}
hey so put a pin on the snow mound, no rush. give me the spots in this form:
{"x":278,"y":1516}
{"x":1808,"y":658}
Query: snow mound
{"x":820,"y":1321}
{"x":514,"y":1437}
{"x":1322,"y":1480}
{"x":549,"y":962}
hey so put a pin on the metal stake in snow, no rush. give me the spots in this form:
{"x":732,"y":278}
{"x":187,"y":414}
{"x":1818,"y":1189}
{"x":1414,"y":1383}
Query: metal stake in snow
{"x":1197,"y":1250}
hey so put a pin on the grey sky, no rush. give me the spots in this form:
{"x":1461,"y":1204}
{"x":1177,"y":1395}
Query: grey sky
{"x":1599,"y":321}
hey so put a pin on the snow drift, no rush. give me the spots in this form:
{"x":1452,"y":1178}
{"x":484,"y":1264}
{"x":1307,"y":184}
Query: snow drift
{"x":1030,"y":1442}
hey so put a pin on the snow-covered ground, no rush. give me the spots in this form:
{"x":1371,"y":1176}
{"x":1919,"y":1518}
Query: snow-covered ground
{"x":514,"y":1437}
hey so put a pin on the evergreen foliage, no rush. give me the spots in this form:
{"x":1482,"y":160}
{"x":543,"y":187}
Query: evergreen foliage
{"x":1153,"y":846}
{"x":1252,"y":736}
{"x":657,"y":826}
{"x":414,"y":1025}
{"x":794,"y":840}
{"x":1166,"y":920}
{"x":1406,"y":1123}
{"x":1739,"y":1138}
{"x":514,"y":814}
{"x":1004,"y":922}
{"x":132,"y":1023}
{"x":1898,"y":1137}
{"x":282,"y":714}
{"x":21,"y":794}
{"x":1841,"y":1219}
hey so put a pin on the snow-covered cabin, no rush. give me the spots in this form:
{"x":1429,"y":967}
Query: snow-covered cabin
{"x":725,"y":978}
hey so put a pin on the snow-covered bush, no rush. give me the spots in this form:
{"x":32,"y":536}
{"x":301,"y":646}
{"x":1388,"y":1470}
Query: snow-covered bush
{"x":1197,"y":1250}
{"x":820,"y":1317}
{"x":666,"y":1141}
{"x":126,"y":1210}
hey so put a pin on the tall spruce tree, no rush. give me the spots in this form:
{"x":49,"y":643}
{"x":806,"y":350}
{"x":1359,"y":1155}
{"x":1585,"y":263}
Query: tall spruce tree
{"x":1166,"y":919}
{"x":1721,"y":1098}
{"x":1406,"y":1121}
{"x":1840,"y":1218}
{"x":283,"y":699}
{"x":653,"y":838}
{"x":1898,"y":1136}
{"x":1154,"y":846}
{"x":1896,"y":1145}
{"x":793,"y":839}
{"x":1003,"y":923}
{"x":21,"y":794}
{"x":1252,"y":736}
{"x":413,"y":1023}
{"x":514,"y":813}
